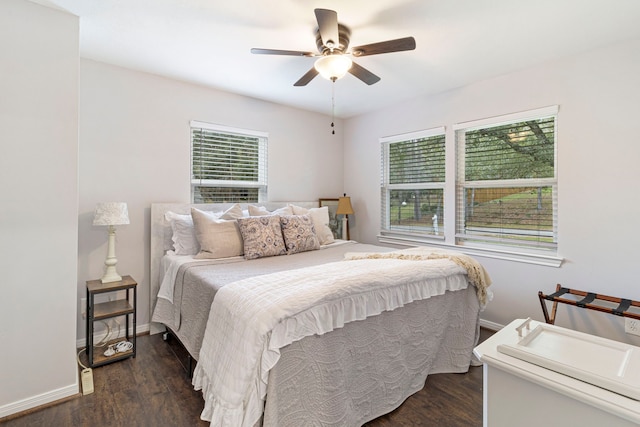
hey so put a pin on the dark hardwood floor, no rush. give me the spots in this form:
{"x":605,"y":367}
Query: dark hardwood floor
{"x":153,"y":390}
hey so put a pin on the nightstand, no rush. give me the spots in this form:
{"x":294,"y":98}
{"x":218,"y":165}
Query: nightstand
{"x":110,"y":309}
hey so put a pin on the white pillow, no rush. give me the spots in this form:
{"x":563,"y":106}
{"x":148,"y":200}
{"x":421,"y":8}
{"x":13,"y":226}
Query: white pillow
{"x":320,"y":217}
{"x":262,"y":211}
{"x":184,"y":236}
{"x":218,"y":238}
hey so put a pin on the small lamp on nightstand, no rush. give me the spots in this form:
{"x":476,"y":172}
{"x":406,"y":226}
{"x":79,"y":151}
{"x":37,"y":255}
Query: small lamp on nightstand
{"x":344,"y":208}
{"x":111,"y":214}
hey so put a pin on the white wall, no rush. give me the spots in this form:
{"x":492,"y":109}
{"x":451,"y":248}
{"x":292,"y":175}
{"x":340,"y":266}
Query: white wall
{"x":39,"y":199}
{"x":599,"y":171}
{"x":135,"y":147}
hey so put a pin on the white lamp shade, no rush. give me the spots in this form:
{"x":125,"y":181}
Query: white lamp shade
{"x":111,"y":213}
{"x":333,"y":67}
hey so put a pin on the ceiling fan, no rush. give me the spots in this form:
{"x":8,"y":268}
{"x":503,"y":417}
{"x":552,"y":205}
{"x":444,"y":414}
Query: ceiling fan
{"x":332,"y":40}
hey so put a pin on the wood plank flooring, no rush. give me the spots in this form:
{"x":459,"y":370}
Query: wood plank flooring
{"x":153,"y":390}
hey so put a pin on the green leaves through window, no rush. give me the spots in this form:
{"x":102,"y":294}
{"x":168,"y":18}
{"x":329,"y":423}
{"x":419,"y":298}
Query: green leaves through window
{"x":506,"y":187}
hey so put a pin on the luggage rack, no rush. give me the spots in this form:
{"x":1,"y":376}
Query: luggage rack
{"x":588,"y":301}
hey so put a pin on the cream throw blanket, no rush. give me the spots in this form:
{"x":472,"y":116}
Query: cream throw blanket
{"x":476,"y":273}
{"x":251,"y":319}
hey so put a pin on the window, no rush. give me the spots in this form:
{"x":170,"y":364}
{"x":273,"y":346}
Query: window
{"x":227,"y":165}
{"x":413,"y":180}
{"x":487,"y":187}
{"x":506,"y":186}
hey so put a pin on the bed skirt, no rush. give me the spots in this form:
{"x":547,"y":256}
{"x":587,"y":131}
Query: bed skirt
{"x":368,"y":368}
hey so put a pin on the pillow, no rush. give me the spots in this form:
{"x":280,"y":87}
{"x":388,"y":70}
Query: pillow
{"x":262,"y":236}
{"x":320,"y":217}
{"x":299,"y":233}
{"x":234,"y":212}
{"x":170,"y":241}
{"x":184,"y":234}
{"x":218,"y":238}
{"x":261,"y":211}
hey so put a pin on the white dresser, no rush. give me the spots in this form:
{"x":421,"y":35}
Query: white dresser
{"x":519,"y":391}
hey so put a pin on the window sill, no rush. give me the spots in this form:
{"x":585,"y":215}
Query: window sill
{"x":506,"y":255}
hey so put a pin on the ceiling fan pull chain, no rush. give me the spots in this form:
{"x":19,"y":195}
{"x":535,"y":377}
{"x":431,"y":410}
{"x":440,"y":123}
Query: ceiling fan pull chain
{"x":333,"y":106}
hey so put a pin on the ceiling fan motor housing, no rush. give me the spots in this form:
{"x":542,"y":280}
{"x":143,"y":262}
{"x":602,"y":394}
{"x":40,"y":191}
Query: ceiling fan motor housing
{"x":344,"y":34}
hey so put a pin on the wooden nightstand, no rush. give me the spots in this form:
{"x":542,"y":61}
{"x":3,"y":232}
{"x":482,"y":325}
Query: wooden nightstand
{"x":106,"y":310}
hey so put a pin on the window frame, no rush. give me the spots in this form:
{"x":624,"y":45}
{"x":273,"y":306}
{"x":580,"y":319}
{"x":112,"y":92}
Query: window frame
{"x":546,"y":257}
{"x":261,"y":181}
{"x":386,"y":187}
{"x":463,"y":238}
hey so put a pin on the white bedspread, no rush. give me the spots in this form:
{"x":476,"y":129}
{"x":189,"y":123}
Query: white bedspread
{"x":172,"y":263}
{"x":250,"y":320}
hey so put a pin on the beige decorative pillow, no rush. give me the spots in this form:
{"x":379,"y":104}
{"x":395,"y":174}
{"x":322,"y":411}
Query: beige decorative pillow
{"x":262,"y":236}
{"x":184,"y":239}
{"x":218,"y":238}
{"x":320,"y":217}
{"x":234,"y":212}
{"x":262,"y":211}
{"x":299,"y":233}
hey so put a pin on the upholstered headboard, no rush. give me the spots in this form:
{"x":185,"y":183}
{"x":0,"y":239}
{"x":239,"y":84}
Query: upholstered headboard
{"x":161,"y":237}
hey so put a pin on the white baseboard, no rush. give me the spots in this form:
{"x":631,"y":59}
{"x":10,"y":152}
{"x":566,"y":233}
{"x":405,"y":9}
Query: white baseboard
{"x":39,"y":400}
{"x":490,"y":325}
{"x":140,"y":329}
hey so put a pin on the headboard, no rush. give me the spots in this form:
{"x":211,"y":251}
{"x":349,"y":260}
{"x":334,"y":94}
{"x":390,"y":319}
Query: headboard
{"x":161,"y":238}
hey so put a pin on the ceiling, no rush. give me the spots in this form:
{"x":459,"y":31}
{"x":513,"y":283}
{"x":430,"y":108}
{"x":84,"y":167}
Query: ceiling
{"x":208,"y":42}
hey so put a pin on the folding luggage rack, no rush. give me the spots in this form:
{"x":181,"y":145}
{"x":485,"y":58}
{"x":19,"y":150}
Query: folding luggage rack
{"x":590,"y":300}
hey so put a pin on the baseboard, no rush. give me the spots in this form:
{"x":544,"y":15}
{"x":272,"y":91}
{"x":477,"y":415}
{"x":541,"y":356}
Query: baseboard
{"x":39,"y":400}
{"x":140,"y":330}
{"x":490,"y":325}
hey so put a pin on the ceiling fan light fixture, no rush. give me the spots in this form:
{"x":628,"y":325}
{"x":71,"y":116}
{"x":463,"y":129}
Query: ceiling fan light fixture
{"x":333,"y":67}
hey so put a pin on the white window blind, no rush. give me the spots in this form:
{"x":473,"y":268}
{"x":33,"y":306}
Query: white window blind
{"x":412,"y":184}
{"x":506,"y":187}
{"x":228,"y":165}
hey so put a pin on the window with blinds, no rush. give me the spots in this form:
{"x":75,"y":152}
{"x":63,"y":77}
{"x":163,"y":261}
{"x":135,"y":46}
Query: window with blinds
{"x":412,"y":185}
{"x":506,"y":186}
{"x":227,"y":165}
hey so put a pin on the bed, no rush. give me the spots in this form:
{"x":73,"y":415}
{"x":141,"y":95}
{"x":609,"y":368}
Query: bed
{"x":355,"y":360}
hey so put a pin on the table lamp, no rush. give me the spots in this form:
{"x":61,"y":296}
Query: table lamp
{"x":344,"y":208}
{"x":111,"y":214}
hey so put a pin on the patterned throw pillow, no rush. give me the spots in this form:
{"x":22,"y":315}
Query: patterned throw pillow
{"x":320,"y":217}
{"x":262,"y":236}
{"x":299,"y":233}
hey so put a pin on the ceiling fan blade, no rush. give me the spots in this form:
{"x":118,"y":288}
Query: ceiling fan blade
{"x":281,"y":52}
{"x":328,"y":27}
{"x":307,"y":77}
{"x":363,"y":74}
{"x":397,"y":45}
